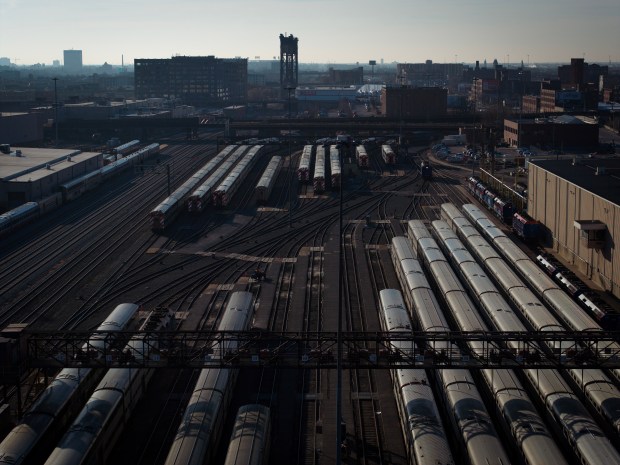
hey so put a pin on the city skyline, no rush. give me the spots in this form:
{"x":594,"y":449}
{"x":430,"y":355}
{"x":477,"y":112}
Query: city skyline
{"x":329,"y":32}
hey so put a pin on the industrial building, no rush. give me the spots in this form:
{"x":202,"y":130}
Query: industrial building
{"x":198,"y":81}
{"x":562,"y":132}
{"x":414,"y":102}
{"x":578,"y":202}
{"x":32,"y":174}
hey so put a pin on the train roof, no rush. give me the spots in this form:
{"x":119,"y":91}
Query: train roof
{"x":583,"y":175}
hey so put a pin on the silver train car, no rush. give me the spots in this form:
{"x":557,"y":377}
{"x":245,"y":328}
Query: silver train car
{"x":249,"y":442}
{"x":334,"y":163}
{"x":268,"y":179}
{"x":561,"y":304}
{"x":76,"y":187}
{"x":162,"y":215}
{"x":570,"y":416}
{"x":421,"y":423}
{"x":388,"y":155}
{"x":204,"y":416}
{"x":600,"y":391}
{"x":303,"y":170}
{"x":361,"y":156}
{"x":32,"y":440}
{"x":18,"y":216}
{"x":225,"y":160}
{"x":463,"y":402}
{"x":223,"y":194}
{"x":96,"y":429}
{"x":512,"y":402}
{"x":318,"y":180}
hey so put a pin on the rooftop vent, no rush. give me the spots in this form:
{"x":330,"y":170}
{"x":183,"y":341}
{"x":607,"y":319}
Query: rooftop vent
{"x":48,"y":166}
{"x":69,"y":158}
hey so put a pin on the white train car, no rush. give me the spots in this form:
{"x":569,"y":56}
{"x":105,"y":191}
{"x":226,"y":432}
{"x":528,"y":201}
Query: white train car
{"x":303,"y":170}
{"x":318,"y":180}
{"x":562,"y":405}
{"x":32,"y":440}
{"x":268,"y":179}
{"x":162,"y":215}
{"x":597,"y":387}
{"x":202,"y":423}
{"x":223,"y":194}
{"x":561,"y":304}
{"x":96,"y":429}
{"x":249,"y":442}
{"x":461,"y":398}
{"x":361,"y":156}
{"x":513,"y":404}
{"x":224,"y":160}
{"x":425,"y":437}
{"x":334,"y":163}
{"x":388,"y":155}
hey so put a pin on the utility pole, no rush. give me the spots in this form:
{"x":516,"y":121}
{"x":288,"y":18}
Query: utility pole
{"x":56,"y":109}
{"x":290,"y":160}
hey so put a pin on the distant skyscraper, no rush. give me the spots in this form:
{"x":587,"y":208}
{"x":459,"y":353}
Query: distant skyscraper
{"x":73,"y":61}
{"x":56,"y":63}
{"x":4,"y":61}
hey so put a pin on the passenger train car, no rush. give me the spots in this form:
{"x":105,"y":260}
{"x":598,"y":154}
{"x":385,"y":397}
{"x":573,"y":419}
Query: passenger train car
{"x":18,"y":216}
{"x":268,"y":180}
{"x":204,"y":416}
{"x":96,"y":429}
{"x":32,"y":440}
{"x":303,"y":171}
{"x":362,"y":156}
{"x":223,"y":193}
{"x":121,"y":151}
{"x":249,"y":442}
{"x":388,"y":155}
{"x":76,"y":187}
{"x":555,"y":394}
{"x":225,"y":160}
{"x":461,"y":398}
{"x":425,"y":437}
{"x":334,"y":163}
{"x":318,"y":180}
{"x":162,"y":215}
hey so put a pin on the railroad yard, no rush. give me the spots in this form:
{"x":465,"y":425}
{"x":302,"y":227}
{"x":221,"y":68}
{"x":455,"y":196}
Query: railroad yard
{"x":70,"y":268}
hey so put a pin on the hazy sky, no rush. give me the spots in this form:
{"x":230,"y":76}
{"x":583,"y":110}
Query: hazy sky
{"x":37,"y":31}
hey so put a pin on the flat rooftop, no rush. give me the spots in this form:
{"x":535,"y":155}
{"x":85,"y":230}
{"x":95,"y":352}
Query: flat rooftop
{"x":32,"y":164}
{"x":606,"y":184}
